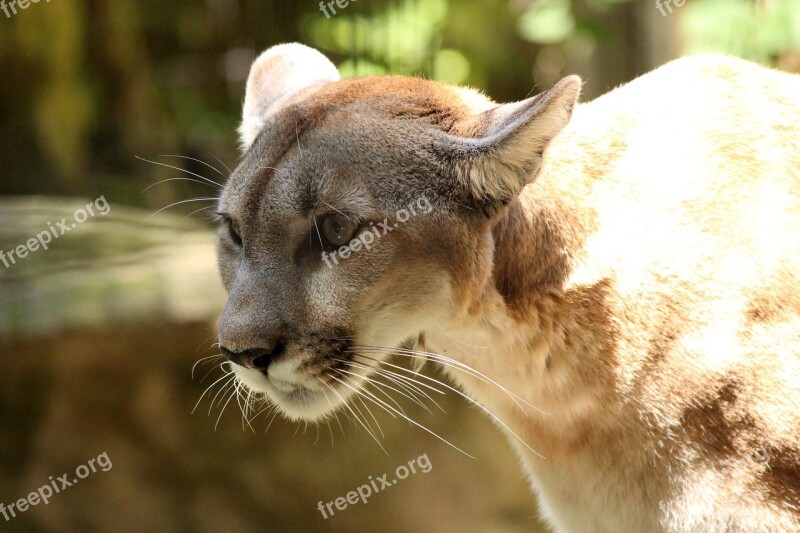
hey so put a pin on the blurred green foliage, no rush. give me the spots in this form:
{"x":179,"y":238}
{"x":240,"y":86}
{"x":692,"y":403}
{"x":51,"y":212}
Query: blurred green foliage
{"x":89,"y":84}
{"x":767,"y":31}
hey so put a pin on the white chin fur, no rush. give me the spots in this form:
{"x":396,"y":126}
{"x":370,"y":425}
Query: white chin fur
{"x":295,"y":402}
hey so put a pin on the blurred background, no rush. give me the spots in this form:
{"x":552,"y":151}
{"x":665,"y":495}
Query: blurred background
{"x":118,"y":99}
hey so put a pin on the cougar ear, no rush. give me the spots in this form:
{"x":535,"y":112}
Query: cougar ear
{"x":277,"y":75}
{"x":497,"y":152}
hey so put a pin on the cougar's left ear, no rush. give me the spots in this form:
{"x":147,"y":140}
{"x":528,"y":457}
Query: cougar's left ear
{"x":494,"y":154}
{"x":278,"y":75}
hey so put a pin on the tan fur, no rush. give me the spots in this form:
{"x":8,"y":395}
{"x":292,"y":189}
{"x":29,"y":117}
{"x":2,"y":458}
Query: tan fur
{"x":643,"y":291}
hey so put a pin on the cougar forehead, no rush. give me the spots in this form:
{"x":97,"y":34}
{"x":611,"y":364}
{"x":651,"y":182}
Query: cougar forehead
{"x":356,"y":133}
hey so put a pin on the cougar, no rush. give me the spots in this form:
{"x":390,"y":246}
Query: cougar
{"x":617,"y":282}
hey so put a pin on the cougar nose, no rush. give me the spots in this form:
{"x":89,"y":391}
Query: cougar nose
{"x":255,"y":358}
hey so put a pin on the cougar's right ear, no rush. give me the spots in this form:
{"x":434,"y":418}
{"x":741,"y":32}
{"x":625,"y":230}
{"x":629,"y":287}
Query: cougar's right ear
{"x":494,"y":154}
{"x":277,"y":75}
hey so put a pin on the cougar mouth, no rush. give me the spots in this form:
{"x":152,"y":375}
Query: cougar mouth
{"x":313,"y":390}
{"x":297,"y":400}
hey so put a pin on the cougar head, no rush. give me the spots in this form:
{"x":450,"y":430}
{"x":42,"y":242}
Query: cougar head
{"x":359,"y":216}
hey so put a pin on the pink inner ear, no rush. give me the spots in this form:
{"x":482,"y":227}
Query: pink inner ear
{"x":279,"y":75}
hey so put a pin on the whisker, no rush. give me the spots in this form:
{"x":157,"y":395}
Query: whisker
{"x":345,"y":216}
{"x":354,"y":415}
{"x":209,"y":388}
{"x":226,"y":167}
{"x":404,"y":381}
{"x":330,"y":429}
{"x":464,"y":206}
{"x":274,"y":415}
{"x":209,"y":372}
{"x":473,"y":402}
{"x":334,"y":412}
{"x":360,"y":393}
{"x":407,"y":383}
{"x":317,"y":439}
{"x":182,"y":202}
{"x":178,"y":179}
{"x":411,"y":384}
{"x":204,"y":359}
{"x":181,"y":170}
{"x":213,"y":345}
{"x":371,"y":397}
{"x":358,"y":397}
{"x":377,"y":424}
{"x":314,"y":218}
{"x":249,"y":402}
{"x":239,"y":403}
{"x":447,"y":361}
{"x":318,"y":234}
{"x":268,"y":407}
{"x":198,"y":210}
{"x":387,"y":406}
{"x":215,"y":169}
{"x":246,"y":408}
{"x":420,"y":383}
{"x":376,"y":382}
{"x":224,"y":390}
{"x":223,"y":409}
{"x":327,"y":418}
{"x":462,"y":343}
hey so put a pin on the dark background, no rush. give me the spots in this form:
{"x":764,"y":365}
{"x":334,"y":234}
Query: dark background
{"x":98,"y":333}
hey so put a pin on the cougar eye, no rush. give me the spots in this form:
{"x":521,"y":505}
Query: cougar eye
{"x":337,"y":229}
{"x":233,"y":230}
{"x":233,"y":227}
